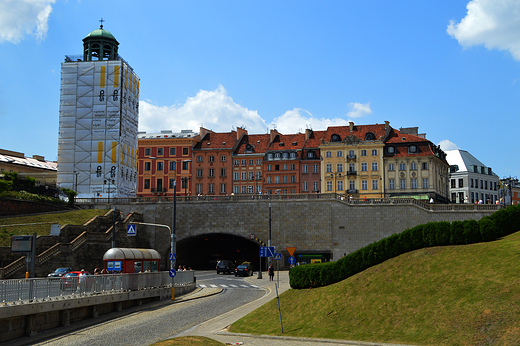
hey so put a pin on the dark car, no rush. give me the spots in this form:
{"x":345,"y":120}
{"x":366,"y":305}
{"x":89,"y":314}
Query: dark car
{"x":243,"y":270}
{"x":225,"y":266}
{"x":58,"y":273}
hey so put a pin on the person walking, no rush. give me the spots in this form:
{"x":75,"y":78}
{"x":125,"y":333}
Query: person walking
{"x":271,"y":273}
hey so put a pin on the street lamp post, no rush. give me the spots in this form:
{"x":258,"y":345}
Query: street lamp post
{"x":113,"y":213}
{"x":173,"y":235}
{"x":185,"y":183}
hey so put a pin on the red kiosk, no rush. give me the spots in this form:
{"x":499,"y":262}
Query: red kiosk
{"x":126,"y":260}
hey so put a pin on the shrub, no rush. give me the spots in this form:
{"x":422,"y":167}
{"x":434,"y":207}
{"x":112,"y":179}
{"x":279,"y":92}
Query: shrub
{"x":488,"y":229}
{"x":456,"y":233}
{"x":471,"y":232}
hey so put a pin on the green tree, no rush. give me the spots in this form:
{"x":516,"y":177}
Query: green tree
{"x":71,"y":194}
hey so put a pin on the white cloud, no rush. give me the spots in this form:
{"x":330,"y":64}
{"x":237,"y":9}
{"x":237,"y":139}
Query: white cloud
{"x":359,"y":110}
{"x":24,"y":17}
{"x":297,"y":120}
{"x":446,"y":144}
{"x":494,"y":24}
{"x":214,"y":110}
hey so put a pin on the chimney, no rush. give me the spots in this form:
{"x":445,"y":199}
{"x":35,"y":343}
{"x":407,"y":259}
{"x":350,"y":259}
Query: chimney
{"x":240,"y":132}
{"x":387,"y":124}
{"x":351,"y":126}
{"x":308,"y":133}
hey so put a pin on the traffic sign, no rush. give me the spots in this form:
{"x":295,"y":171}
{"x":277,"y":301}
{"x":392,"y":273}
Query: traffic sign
{"x":172,"y":273}
{"x":278,"y":256}
{"x":291,"y":250}
{"x":292,"y":260}
{"x":173,"y":257}
{"x":267,"y":251}
{"x":131,"y":230}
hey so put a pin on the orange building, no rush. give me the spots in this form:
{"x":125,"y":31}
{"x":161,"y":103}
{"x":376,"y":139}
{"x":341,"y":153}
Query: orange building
{"x":165,"y":161}
{"x":282,"y":163}
{"x":213,"y":164}
{"x":247,"y":163}
{"x":310,"y":173}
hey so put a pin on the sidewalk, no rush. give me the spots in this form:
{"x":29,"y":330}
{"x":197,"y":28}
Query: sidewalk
{"x":216,"y":328}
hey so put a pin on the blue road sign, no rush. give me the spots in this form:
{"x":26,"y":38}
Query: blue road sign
{"x":278,"y":256}
{"x":172,"y":273}
{"x":267,"y":251}
{"x":292,"y":260}
{"x":131,"y":230}
{"x":173,"y":257}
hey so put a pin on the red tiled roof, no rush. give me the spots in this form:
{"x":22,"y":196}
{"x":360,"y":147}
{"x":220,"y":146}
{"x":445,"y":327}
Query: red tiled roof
{"x":396,"y":137}
{"x":314,"y":140}
{"x":359,"y":131}
{"x":213,"y":140}
{"x":290,"y":142}
{"x":260,"y":144}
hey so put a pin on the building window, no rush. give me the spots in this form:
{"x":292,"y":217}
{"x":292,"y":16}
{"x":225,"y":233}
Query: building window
{"x":293,"y":179}
{"x":199,"y":188}
{"x":222,"y":158}
{"x":269,"y":180}
{"x":258,"y":161}
{"x":284,"y":166}
{"x":199,"y":158}
{"x":172,"y":182}
{"x":185,"y":165}
{"x":375,"y":184}
{"x":269,"y":167}
{"x":284,"y":179}
{"x":185,"y":151}
{"x":391,"y":167}
{"x":339,"y":153}
{"x":211,"y":188}
{"x":414,"y":184}
{"x":237,"y":162}
{"x":250,"y":189}
{"x":237,"y":176}
{"x":403,"y":184}
{"x":305,"y":186}
{"x":147,"y":151}
{"x":351,"y":154}
{"x":305,"y":169}
{"x":251,"y":162}
{"x":329,"y":167}
{"x":364,"y":167}
{"x":222,"y":188}
{"x":329,"y":185}
{"x":160,"y":166}
{"x":374,"y":167}
{"x":328,"y":154}
{"x":172,"y":152}
{"x":251,"y":175}
{"x":293,"y":167}
{"x":413,"y":166}
{"x":244,"y":175}
{"x":222,"y":172}
{"x":374,"y":152}
{"x":315,"y":169}
{"x":172,"y":165}
{"x":199,"y":172}
{"x":461,"y":183}
{"x":391,"y":184}
{"x":147,"y":166}
{"x":364,"y":184}
{"x":147,"y":183}
{"x":425,"y":183}
{"x":236,"y":189}
{"x":425,"y":165}
{"x":340,"y":185}
{"x":402,"y":167}
{"x":351,"y":167}
{"x":471,"y":181}
{"x":363,"y":152}
{"x":211,"y":158}
{"x":211,"y":172}
{"x":412,"y":149}
{"x":258,"y":175}
{"x":352,"y":185}
{"x":160,"y":152}
{"x":339,"y":167}
{"x":244,"y":162}
{"x":316,"y":186}
{"x":277,"y":179}
{"x":244,"y":189}
{"x":453,"y":183}
{"x":485,"y":184}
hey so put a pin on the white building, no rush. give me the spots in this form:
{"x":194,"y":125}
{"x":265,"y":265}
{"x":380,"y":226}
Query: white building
{"x":470,"y":180}
{"x":99,"y":109}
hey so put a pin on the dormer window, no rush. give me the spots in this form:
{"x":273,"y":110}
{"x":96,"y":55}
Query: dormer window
{"x":370,"y":136}
{"x":294,"y":143}
{"x":249,"y":147}
{"x":412,"y":149}
{"x":293,"y":155}
{"x":335,"y":138}
{"x":277,"y":155}
{"x":390,"y":150}
{"x":281,"y":144}
{"x":310,"y":154}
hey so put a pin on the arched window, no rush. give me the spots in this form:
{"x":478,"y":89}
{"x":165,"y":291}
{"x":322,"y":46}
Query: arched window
{"x":370,"y":136}
{"x":335,"y":138}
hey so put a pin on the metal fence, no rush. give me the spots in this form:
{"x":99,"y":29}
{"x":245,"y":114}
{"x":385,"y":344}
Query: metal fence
{"x":19,"y":291}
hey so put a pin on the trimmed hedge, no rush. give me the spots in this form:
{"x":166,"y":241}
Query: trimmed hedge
{"x":489,"y":228}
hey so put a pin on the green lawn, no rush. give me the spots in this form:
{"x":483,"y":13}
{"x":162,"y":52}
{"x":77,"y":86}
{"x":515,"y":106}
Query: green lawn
{"x":76,"y":217}
{"x":454,"y":295}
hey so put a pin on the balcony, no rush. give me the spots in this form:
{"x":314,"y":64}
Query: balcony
{"x":351,"y":192}
{"x":351,"y":157}
{"x":351,"y":173}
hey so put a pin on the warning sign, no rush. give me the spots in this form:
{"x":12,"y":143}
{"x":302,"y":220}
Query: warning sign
{"x":291,"y":250}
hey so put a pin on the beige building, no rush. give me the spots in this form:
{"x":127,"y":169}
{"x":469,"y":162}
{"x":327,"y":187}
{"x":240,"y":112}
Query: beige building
{"x":36,"y":167}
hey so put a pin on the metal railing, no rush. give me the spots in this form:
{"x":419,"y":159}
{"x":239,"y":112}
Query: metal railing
{"x":19,"y":291}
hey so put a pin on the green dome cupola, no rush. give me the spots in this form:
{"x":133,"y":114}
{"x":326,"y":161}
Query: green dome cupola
{"x":100,"y":44}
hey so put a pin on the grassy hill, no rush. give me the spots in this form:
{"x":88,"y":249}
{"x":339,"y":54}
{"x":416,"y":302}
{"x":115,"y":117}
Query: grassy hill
{"x":43,"y":227}
{"x":452,"y":295}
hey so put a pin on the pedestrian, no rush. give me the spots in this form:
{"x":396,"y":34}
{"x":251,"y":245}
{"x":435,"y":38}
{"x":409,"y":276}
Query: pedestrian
{"x":82,"y":278}
{"x":271,"y":273}
{"x":96,"y":270}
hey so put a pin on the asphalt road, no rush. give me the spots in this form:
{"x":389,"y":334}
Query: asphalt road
{"x":150,"y":325}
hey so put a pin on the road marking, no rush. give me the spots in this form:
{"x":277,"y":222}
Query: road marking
{"x":203,"y":286}
{"x":215,"y":286}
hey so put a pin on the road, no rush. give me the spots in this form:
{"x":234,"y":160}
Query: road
{"x":150,"y":325}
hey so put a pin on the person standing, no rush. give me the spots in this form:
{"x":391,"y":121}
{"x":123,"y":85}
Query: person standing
{"x":82,"y":277}
{"x":271,"y":273}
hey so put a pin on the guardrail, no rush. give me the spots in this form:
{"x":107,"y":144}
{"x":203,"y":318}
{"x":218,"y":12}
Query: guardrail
{"x":20,"y":291}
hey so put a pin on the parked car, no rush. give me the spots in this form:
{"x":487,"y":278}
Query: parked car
{"x":58,"y":273}
{"x":243,"y":270}
{"x":225,"y":266}
{"x":71,"y":280}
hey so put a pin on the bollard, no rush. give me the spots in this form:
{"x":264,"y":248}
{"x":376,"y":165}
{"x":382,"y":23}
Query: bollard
{"x":173,"y":293}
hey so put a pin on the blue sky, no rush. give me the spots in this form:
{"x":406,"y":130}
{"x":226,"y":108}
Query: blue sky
{"x":449,"y":67}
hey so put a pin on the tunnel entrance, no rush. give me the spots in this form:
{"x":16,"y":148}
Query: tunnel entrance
{"x":203,"y":251}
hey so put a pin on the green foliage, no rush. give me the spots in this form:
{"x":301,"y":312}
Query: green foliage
{"x":5,"y":186}
{"x":31,"y":197}
{"x":71,"y":194}
{"x":495,"y":226}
